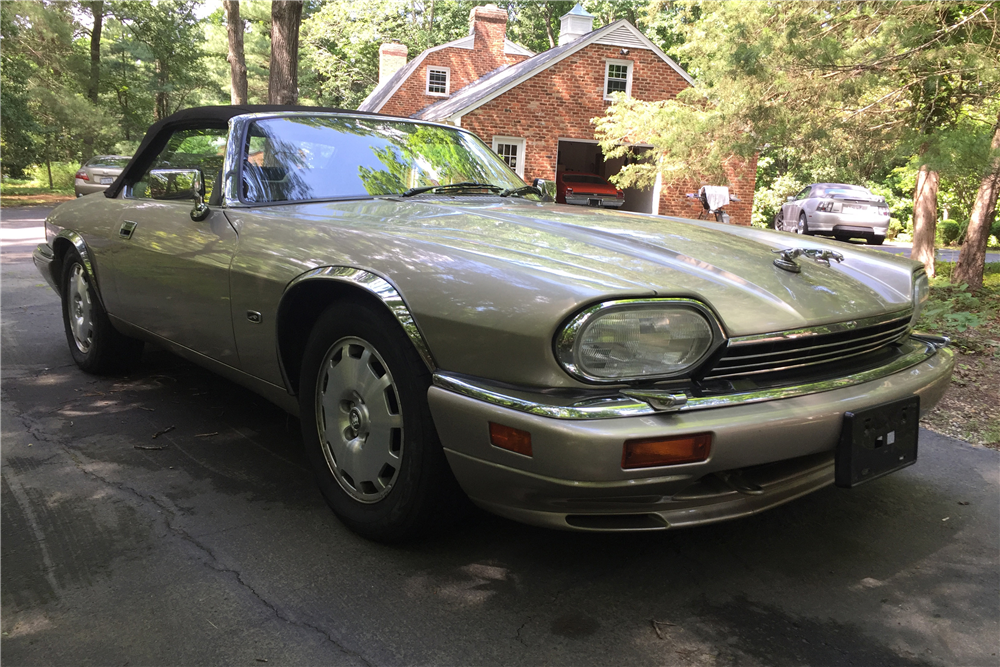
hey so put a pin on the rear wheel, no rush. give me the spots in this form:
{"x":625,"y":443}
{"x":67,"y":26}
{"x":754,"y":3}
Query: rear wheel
{"x":876,"y":240}
{"x":803,"y":226}
{"x":368,"y":430}
{"x":96,"y":346}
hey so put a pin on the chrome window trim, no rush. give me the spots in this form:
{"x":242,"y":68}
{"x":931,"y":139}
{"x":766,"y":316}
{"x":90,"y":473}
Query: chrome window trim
{"x":616,"y":407}
{"x":565,"y":339}
{"x":380,"y":288}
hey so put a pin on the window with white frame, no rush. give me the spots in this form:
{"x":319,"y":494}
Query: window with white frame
{"x":438,"y":81}
{"x":617,"y":77}
{"x":511,"y":150}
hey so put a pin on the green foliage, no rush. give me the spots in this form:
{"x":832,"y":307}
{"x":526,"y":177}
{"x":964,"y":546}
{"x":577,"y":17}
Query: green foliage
{"x":971,"y":318}
{"x":62,"y":175}
{"x":948,"y":231}
{"x":767,"y":200}
{"x":824,"y":91}
{"x":16,"y":122}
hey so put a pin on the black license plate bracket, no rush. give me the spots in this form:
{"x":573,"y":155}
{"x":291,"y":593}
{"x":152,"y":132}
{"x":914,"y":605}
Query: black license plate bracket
{"x":877,"y":441}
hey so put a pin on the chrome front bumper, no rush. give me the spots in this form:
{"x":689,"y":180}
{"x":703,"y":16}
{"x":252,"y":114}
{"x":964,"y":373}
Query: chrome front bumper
{"x":574,"y":480}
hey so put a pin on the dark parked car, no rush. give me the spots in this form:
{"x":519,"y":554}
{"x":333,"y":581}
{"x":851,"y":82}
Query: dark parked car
{"x":97,"y":173}
{"x":835,"y":209}
{"x":444,"y":334}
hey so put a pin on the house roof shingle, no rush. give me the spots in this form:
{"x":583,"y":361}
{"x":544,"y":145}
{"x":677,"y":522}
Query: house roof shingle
{"x":502,"y":79}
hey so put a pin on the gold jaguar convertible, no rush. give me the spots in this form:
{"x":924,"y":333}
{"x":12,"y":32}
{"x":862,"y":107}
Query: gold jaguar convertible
{"x":446,"y":333}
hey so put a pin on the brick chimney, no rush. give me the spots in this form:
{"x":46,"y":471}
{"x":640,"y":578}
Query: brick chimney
{"x":391,"y":59}
{"x":489,"y":24}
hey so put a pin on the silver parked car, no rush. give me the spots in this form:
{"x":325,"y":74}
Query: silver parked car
{"x":98,"y":173}
{"x":835,"y":209}
{"x":444,"y":335}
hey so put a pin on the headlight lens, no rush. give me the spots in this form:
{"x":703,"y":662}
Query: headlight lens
{"x":635,"y":340}
{"x":921,"y":292}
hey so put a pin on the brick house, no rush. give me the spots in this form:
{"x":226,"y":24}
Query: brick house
{"x":535,"y":109}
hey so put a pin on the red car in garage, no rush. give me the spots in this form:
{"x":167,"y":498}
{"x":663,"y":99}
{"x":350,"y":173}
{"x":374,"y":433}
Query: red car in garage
{"x":583,"y":189}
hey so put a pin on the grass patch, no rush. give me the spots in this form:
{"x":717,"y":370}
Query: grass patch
{"x":30,"y":192}
{"x":972,"y":320}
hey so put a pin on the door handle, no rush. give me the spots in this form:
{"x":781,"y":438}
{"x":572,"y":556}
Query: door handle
{"x":126,"y":229}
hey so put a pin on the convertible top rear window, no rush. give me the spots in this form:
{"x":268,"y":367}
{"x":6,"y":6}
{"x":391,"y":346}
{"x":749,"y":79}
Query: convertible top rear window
{"x":301,"y":158}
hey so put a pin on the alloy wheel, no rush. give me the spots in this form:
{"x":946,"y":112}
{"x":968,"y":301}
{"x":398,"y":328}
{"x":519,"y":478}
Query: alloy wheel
{"x":80,"y":309}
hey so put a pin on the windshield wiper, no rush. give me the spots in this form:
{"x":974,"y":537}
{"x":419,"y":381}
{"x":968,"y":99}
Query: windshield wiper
{"x":464,"y":185}
{"x":523,"y":190}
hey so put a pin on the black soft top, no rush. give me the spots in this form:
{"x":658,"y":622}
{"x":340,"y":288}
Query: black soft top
{"x":197,"y":117}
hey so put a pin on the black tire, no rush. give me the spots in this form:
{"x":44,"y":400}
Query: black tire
{"x":803,"y":227}
{"x":391,"y":481}
{"x":96,"y":346}
{"x":876,"y":240}
{"x":779,"y":222}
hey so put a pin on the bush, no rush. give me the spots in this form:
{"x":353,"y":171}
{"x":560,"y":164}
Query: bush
{"x":62,"y":174}
{"x":949,"y":231}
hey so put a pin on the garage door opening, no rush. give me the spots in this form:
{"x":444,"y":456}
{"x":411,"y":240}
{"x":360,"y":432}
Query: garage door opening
{"x":586,"y":157}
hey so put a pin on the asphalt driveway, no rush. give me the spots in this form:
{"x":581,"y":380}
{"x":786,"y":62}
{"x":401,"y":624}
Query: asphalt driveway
{"x":209,"y":544}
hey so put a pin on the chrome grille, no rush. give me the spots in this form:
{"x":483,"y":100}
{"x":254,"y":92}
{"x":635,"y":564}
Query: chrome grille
{"x":789,"y":350}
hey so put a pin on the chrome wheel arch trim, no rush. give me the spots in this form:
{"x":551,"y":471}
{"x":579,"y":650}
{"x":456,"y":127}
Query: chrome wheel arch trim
{"x":373,"y":284}
{"x":76,"y":240}
{"x":627,"y":403}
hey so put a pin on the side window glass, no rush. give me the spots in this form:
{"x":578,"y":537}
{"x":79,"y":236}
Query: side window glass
{"x":203,"y":149}
{"x":804,"y":194}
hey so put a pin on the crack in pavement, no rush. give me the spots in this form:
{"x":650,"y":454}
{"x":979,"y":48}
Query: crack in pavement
{"x":169,"y":516}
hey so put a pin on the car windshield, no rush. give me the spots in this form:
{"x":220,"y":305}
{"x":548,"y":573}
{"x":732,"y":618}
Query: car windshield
{"x":299,"y":158}
{"x":583,"y":178}
{"x":113,"y":161}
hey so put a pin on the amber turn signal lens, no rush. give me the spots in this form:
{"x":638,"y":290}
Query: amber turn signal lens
{"x":511,"y":439}
{"x":651,"y":452}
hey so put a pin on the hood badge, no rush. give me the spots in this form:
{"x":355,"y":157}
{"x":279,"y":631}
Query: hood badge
{"x":787,"y":259}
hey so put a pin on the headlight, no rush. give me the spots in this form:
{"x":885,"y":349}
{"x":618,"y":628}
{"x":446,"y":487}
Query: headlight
{"x":921,"y":292}
{"x":636,"y":340}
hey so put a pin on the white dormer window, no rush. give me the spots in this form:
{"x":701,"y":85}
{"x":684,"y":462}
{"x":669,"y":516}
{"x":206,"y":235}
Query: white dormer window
{"x":617,"y":77}
{"x":439,"y":81}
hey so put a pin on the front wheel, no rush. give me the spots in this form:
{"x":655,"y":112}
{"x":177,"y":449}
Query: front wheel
{"x":779,"y":221}
{"x":96,"y":346}
{"x":368,"y":430}
{"x":876,"y":240}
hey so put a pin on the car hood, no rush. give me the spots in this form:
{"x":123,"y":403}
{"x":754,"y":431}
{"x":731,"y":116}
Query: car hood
{"x":598,"y":252}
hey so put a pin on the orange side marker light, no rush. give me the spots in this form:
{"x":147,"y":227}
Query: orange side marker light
{"x":511,"y":439}
{"x":652,"y":452}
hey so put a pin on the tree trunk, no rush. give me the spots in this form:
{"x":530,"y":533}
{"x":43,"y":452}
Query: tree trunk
{"x":972,"y":257}
{"x":48,"y":165}
{"x":97,"y":9}
{"x":548,"y":25}
{"x":925,"y":218}
{"x":236,"y":58}
{"x":283,"y":83}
